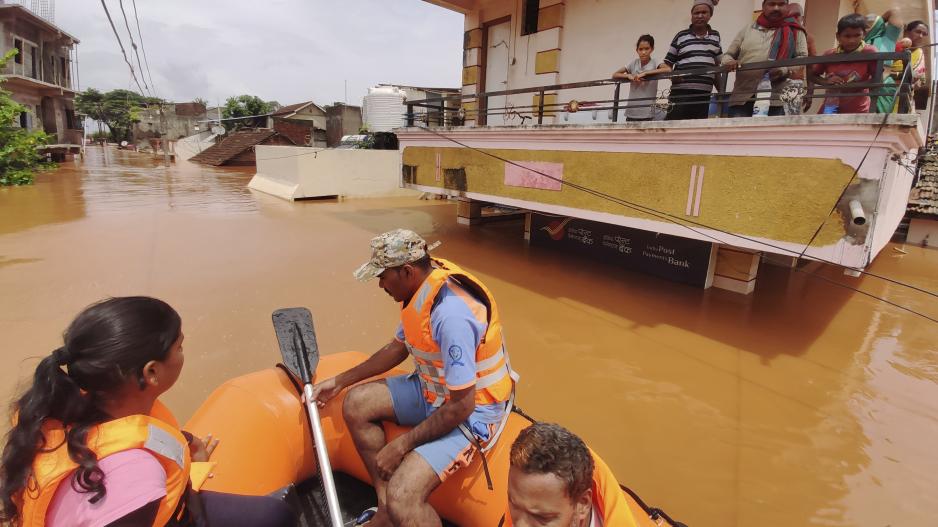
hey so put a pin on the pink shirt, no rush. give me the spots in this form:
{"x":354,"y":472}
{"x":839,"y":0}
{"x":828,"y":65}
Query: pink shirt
{"x":858,"y":71}
{"x":132,"y":478}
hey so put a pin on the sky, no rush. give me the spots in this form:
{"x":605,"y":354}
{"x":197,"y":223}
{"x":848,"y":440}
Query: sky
{"x":284,"y":50}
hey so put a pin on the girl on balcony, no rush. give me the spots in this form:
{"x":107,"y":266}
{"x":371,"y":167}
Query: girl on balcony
{"x":642,"y":93}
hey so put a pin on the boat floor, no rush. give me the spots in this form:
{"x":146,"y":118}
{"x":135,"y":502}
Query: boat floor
{"x":308,"y":500}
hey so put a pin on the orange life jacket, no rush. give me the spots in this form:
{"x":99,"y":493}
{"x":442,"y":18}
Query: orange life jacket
{"x":149,"y":432}
{"x":494,"y":378}
{"x":608,"y":498}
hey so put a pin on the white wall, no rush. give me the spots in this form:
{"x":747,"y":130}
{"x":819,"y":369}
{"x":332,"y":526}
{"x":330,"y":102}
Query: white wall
{"x":919,"y":229}
{"x":296,"y":172}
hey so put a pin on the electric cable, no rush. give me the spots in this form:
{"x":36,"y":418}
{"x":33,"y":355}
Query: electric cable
{"x":133,"y":45}
{"x":144,"y":49}
{"x":121,"y":45}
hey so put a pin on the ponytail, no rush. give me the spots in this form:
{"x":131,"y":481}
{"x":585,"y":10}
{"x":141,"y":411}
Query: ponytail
{"x":112,"y":341}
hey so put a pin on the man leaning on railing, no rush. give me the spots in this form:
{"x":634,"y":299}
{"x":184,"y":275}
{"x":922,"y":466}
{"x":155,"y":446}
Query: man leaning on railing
{"x":774,"y":36}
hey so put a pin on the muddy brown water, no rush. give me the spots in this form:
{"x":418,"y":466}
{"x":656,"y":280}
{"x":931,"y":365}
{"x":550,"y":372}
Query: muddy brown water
{"x":803,"y":404}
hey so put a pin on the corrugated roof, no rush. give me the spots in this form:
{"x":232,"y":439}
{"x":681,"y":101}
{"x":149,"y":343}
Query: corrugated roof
{"x":924,"y":197}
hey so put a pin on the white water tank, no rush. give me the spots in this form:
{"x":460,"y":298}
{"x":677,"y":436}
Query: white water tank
{"x":384,"y":109}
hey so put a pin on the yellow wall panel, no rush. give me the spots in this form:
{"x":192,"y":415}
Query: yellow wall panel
{"x":547,"y":61}
{"x":472,"y":38}
{"x":754,"y":196}
{"x":550,"y":99}
{"x":470,"y":75}
{"x":550,"y":17}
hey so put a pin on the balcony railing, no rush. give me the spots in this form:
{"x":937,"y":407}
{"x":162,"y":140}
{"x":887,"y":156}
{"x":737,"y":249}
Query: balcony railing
{"x":449,"y":110}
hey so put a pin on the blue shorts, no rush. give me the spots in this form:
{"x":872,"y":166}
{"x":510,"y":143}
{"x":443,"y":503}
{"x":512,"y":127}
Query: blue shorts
{"x":453,"y":451}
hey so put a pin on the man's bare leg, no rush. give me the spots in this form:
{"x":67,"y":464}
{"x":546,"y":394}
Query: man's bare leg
{"x":364,"y":408}
{"x":408,"y":492}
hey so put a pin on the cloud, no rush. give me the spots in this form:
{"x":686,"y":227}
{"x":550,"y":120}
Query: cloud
{"x":284,"y":50}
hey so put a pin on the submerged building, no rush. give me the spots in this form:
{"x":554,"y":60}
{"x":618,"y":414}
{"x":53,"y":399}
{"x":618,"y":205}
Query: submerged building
{"x":541,"y":127}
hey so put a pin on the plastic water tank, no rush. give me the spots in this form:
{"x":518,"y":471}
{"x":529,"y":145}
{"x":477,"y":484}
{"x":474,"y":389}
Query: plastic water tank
{"x":384,"y":109}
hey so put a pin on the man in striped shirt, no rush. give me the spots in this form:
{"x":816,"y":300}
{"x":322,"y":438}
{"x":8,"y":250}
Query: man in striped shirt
{"x":695,"y":47}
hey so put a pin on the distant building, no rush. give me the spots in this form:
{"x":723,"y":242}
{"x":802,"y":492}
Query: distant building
{"x":342,"y":120}
{"x":304,"y":123}
{"x":41,"y":75}
{"x":171,"y":120}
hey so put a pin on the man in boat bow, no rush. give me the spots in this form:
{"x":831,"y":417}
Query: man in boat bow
{"x":456,"y":400}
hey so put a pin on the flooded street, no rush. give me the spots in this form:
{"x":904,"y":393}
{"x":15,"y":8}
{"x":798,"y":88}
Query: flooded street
{"x":804,"y":404}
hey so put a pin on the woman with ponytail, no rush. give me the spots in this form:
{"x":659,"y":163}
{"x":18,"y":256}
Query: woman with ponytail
{"x":91,"y":445}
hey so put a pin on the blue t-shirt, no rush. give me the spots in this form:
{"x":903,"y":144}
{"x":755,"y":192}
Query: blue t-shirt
{"x":458,"y":332}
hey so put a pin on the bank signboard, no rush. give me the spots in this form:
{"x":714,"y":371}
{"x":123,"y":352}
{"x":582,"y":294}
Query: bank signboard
{"x":670,"y":257}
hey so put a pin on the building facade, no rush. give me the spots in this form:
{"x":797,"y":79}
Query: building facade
{"x":42,"y":75}
{"x":542,"y":128}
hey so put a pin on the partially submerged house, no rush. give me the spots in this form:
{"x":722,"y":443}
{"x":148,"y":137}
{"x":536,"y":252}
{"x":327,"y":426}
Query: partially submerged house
{"x":42,"y":75}
{"x":237,"y":148}
{"x":699,"y":201}
{"x":304,"y":123}
{"x":170,"y":120}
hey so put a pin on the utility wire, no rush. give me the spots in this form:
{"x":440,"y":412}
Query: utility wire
{"x":683,"y":223}
{"x":133,"y":45}
{"x":143,"y":48}
{"x":119,"y":43}
{"x":879,"y":129}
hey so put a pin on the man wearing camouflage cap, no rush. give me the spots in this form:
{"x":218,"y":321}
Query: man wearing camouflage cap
{"x":459,"y":395}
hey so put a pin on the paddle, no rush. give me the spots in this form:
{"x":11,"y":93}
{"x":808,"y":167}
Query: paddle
{"x":297,"y":340}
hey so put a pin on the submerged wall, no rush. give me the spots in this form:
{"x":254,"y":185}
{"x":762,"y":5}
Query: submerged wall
{"x":298,"y":172}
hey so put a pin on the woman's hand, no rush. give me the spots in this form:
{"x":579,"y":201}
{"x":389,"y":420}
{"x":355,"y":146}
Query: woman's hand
{"x":201,"y":449}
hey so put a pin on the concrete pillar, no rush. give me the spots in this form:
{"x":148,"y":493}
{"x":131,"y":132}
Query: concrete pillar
{"x":468,"y":211}
{"x":736,"y":269}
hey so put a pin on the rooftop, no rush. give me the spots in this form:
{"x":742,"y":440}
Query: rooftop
{"x":18,"y":10}
{"x":923,"y":201}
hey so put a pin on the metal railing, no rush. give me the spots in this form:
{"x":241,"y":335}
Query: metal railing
{"x":439,"y":111}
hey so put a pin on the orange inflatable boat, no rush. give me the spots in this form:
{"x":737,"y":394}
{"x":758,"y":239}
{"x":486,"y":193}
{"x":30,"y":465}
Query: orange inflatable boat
{"x":266,"y":448}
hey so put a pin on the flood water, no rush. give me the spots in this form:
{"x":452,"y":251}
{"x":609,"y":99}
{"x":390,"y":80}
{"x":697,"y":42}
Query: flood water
{"x":803,"y":404}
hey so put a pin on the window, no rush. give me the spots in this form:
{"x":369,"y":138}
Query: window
{"x":24,"y":120}
{"x":33,"y":60}
{"x":70,"y":119}
{"x":64,"y":64}
{"x":529,"y":16}
{"x":18,"y":44}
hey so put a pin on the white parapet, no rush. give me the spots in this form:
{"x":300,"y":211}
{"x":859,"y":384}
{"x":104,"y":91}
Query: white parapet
{"x":292,"y":172}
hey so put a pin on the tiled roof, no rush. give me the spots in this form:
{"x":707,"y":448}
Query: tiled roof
{"x":293,"y":108}
{"x":924,"y":197}
{"x":231,"y":146}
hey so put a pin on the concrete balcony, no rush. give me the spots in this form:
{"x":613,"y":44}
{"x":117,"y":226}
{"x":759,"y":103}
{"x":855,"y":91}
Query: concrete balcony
{"x":760,"y":184}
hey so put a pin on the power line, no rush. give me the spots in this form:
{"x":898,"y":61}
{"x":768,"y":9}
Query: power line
{"x":133,"y":44}
{"x":142,"y":47}
{"x":119,"y":43}
{"x":682,"y":222}
{"x":843,"y":191}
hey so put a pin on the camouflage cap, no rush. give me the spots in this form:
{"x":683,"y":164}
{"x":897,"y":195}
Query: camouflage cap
{"x":393,"y":249}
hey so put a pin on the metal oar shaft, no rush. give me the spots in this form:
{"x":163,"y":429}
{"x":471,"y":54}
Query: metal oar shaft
{"x":322,"y":456}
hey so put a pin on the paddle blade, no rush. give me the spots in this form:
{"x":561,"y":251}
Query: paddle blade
{"x":297,"y":340}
